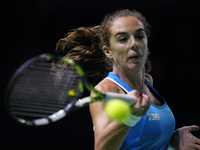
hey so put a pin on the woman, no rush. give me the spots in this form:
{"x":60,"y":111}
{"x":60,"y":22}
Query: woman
{"x":123,"y":38}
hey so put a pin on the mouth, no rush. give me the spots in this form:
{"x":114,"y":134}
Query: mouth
{"x":134,"y":57}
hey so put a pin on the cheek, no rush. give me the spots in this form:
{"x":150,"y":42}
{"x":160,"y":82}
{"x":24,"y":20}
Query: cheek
{"x":117,"y":51}
{"x":144,"y":44}
{"x":118,"y":56}
{"x":144,"y":48}
{"x":146,"y":52}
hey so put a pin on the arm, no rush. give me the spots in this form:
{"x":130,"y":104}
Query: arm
{"x":110,"y":134}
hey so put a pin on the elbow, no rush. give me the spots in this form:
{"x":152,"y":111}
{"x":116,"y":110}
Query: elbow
{"x":99,"y":146}
{"x":105,"y":146}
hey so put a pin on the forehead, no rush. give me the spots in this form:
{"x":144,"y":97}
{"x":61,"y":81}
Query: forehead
{"x":126,"y":24}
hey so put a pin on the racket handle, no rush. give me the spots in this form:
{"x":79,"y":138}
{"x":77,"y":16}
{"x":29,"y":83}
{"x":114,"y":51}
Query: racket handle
{"x":130,"y":99}
{"x":82,"y":102}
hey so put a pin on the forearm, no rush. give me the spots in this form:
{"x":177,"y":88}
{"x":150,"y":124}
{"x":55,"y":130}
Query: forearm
{"x":112,"y":137}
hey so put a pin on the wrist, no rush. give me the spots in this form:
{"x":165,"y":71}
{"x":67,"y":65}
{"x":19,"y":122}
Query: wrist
{"x":132,"y":120}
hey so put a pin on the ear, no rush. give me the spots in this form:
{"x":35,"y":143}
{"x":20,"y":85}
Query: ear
{"x":107,"y":51}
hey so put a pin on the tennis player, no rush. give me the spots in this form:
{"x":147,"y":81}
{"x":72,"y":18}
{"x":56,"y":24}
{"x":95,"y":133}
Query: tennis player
{"x":115,"y":55}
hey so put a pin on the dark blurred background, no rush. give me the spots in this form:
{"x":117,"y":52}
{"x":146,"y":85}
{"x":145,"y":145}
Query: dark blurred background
{"x":30,"y":28}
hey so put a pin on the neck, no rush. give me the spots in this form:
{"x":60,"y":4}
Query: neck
{"x":134,"y":79}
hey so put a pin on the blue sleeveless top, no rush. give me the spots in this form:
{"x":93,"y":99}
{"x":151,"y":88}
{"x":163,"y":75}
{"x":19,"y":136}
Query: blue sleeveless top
{"x":154,"y":130}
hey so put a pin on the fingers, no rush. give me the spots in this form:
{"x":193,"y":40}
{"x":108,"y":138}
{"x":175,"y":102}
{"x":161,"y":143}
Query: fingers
{"x":193,"y":141}
{"x":141,"y":106}
{"x":142,"y":101}
{"x":193,"y":128}
{"x":197,"y":146}
{"x":145,"y":100}
{"x":197,"y":142}
{"x":135,"y":93}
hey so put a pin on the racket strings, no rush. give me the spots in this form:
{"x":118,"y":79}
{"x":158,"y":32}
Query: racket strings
{"x":40,"y":91}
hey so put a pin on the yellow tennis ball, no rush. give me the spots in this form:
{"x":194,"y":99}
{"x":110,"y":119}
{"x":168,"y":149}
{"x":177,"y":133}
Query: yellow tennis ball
{"x":48,"y":57}
{"x":118,"y":110}
{"x":71,"y":92}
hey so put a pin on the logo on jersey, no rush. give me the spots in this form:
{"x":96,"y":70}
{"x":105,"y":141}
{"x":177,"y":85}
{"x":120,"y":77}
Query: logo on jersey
{"x":154,"y":116}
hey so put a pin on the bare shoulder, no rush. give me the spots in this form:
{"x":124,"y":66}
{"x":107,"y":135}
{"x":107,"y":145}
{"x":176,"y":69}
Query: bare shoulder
{"x":149,"y":78}
{"x":107,"y":85}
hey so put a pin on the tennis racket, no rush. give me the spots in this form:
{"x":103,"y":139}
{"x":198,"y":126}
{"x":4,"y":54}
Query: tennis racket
{"x":42,"y":91}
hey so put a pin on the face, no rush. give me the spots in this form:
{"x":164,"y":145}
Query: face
{"x":128,"y":43}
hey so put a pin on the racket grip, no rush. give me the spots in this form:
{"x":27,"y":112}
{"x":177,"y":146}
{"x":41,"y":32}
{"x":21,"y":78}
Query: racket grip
{"x":130,"y":99}
{"x":82,"y":102}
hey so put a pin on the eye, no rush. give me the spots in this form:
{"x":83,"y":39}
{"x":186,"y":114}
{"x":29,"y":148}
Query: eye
{"x":141,"y":37}
{"x":123,"y":40}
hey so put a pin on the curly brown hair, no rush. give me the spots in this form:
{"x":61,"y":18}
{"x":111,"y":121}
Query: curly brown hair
{"x":84,"y":45}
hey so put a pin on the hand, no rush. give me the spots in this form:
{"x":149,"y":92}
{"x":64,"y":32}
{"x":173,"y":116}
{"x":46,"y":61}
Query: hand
{"x":182,"y":139}
{"x":142,"y":104}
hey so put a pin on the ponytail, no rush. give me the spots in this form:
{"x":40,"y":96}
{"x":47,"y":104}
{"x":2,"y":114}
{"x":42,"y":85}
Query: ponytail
{"x":82,"y":45}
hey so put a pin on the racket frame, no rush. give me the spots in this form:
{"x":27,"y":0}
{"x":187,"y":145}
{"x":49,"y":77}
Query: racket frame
{"x":75,"y":103}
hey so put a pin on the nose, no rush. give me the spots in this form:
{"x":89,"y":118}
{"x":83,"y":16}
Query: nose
{"x":134,"y":43}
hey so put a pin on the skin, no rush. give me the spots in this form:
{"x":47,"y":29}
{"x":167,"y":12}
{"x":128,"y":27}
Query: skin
{"x":128,"y":49}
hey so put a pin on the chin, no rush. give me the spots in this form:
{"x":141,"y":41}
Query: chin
{"x":136,"y":67}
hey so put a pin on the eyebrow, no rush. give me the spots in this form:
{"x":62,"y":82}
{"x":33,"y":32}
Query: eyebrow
{"x":121,"y":33}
